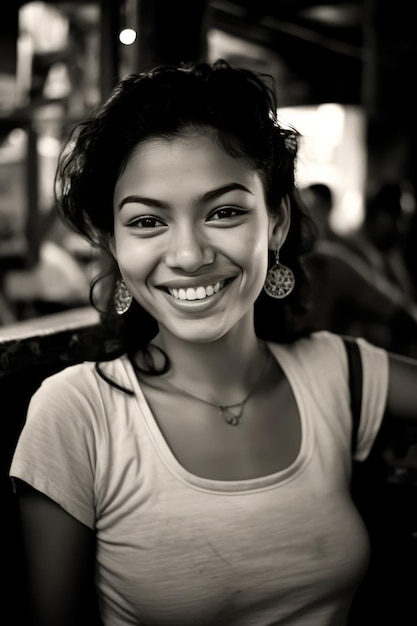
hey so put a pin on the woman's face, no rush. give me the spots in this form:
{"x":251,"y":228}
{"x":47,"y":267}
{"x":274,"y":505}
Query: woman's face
{"x":191,"y":234}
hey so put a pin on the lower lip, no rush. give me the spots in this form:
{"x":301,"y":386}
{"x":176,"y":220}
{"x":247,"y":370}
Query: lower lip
{"x":196,"y":305}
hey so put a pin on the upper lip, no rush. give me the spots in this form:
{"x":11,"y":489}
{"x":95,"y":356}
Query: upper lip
{"x":195,"y":281}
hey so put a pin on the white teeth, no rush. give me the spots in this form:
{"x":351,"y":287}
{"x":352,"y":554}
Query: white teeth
{"x":198,"y":293}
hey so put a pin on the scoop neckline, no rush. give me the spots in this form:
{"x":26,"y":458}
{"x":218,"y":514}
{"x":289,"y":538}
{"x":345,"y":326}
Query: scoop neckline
{"x":258,"y":483}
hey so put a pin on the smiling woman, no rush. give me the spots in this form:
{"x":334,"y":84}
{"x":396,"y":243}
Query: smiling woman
{"x":188,"y":216}
{"x":201,"y":476}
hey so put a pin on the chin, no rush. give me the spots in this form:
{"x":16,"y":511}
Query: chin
{"x":206,"y":335}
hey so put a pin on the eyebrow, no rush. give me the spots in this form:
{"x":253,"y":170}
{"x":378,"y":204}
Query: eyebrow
{"x":209,"y":195}
{"x":215,"y":193}
{"x":140,"y":200}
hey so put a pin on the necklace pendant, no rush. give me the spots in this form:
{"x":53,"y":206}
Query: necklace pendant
{"x":229,"y":417}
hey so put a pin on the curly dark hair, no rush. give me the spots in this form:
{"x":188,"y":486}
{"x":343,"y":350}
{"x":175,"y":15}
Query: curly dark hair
{"x":240,"y":106}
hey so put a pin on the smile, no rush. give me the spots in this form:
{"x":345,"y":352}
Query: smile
{"x":196,"y":293}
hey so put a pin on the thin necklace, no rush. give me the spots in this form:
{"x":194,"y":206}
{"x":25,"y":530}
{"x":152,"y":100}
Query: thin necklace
{"x":231,"y":413}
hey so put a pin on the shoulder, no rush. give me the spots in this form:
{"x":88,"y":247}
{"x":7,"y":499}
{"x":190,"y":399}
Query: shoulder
{"x":84,"y":375}
{"x":327,"y":343}
{"x":322,"y":356}
{"x":316,"y":345}
{"x":81,"y":385}
{"x":71,"y":374}
{"x":311,"y":360}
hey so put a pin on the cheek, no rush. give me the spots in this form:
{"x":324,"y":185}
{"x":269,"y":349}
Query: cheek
{"x":260,"y":243}
{"x":134,"y":260}
{"x":254,"y":257}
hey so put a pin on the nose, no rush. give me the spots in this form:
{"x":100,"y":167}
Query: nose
{"x":188,"y":250}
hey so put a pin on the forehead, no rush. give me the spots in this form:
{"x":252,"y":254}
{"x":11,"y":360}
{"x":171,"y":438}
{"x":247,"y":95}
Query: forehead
{"x":194,"y":160}
{"x":204,"y":141}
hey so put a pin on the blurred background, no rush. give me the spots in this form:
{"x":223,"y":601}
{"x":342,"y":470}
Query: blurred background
{"x":344,"y":73}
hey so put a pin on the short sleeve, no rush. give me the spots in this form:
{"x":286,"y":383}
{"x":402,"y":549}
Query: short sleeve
{"x":374,"y":396}
{"x":56,"y":450}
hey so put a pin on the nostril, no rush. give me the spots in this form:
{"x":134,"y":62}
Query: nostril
{"x":190,"y":257}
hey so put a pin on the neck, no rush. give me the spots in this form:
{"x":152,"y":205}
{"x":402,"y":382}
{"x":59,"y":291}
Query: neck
{"x":220,"y":369}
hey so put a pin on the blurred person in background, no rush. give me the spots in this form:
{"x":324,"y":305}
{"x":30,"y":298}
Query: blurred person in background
{"x":381,"y":242}
{"x":382,"y":237}
{"x":360,"y":284}
{"x":319,"y":198}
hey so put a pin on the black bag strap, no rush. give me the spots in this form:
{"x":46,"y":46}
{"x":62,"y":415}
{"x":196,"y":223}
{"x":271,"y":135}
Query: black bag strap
{"x":355,"y":384}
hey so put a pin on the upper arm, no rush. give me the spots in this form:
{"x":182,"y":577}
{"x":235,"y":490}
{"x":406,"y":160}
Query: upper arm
{"x":402,"y":388}
{"x":60,"y":559}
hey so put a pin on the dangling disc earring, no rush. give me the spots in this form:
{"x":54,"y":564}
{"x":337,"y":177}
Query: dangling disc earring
{"x":122,"y":297}
{"x":280,"y":280}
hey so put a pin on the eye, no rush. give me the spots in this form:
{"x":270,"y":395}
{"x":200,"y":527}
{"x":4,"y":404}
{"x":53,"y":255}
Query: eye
{"x":147,"y":222}
{"x":226,"y":213}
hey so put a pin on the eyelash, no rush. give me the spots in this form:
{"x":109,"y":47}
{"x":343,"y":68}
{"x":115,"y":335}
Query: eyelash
{"x":144,"y":223}
{"x":140,"y":222}
{"x":229,"y":209}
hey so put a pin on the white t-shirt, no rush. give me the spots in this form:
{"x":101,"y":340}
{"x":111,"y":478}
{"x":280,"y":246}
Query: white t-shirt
{"x":180,"y":550}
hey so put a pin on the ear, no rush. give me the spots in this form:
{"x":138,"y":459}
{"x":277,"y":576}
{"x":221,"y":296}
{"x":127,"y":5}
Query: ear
{"x":279,"y":225}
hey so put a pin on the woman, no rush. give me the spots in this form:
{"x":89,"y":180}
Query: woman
{"x":202,"y":475}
